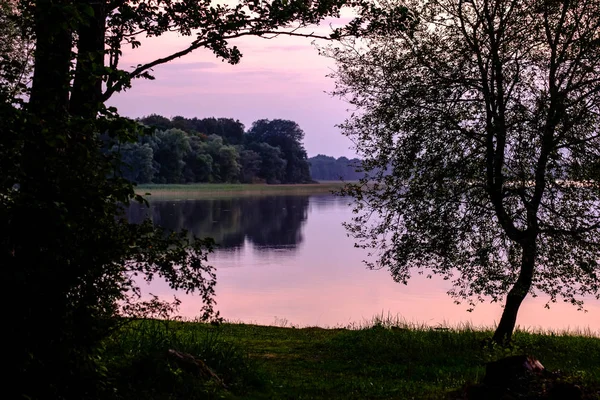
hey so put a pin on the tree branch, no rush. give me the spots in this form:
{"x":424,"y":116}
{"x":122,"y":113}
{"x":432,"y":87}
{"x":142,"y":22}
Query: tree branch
{"x":136,"y":73}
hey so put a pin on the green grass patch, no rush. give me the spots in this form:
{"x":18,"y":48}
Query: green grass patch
{"x":138,"y":365}
{"x":380,"y":361}
{"x":219,"y":190}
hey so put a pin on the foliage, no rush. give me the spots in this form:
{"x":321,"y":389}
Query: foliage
{"x":158,"y":121}
{"x":272,"y":162}
{"x":135,"y":355}
{"x":232,"y":131}
{"x":220,"y":151}
{"x":229,"y":166}
{"x":15,"y":52}
{"x":287,"y":136}
{"x":327,"y":168}
{"x":66,"y":250}
{"x":250,"y":163}
{"x":211,"y":26}
{"x":78,"y":266}
{"x":487,"y":115}
{"x":137,"y":161}
{"x":170,"y":147}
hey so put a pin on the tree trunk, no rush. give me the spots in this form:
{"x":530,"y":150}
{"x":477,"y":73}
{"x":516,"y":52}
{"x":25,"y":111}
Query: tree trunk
{"x":86,"y":97}
{"x":504,"y":331}
{"x":50,"y":88}
{"x":33,"y":267}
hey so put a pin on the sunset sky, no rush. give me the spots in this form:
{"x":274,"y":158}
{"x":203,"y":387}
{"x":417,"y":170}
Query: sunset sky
{"x":282,"y":78}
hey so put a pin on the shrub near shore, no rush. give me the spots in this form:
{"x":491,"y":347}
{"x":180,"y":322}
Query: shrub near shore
{"x":381,"y":360}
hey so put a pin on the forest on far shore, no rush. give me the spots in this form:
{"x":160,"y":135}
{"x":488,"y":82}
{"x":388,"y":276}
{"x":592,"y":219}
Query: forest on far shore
{"x":219,"y":150}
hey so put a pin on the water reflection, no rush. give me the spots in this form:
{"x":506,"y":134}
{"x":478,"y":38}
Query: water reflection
{"x":273,"y":222}
{"x":290,"y":258}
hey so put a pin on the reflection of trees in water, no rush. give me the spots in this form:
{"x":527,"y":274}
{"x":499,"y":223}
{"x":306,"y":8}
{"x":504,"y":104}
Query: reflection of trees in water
{"x":324,"y":201}
{"x":264,"y":221}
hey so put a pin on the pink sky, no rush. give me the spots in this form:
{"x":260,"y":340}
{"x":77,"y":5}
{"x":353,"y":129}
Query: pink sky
{"x":278,"y":78}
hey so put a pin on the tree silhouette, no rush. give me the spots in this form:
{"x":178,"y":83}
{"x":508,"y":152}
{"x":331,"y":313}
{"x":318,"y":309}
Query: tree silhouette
{"x":486,"y":116}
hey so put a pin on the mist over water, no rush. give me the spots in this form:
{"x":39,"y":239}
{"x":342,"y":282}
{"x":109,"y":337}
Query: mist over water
{"x":288,"y":258}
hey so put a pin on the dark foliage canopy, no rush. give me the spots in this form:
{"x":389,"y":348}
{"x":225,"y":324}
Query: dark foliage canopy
{"x":72,"y":260}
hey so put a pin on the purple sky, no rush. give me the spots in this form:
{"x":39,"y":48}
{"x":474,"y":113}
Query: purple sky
{"x":278,"y":78}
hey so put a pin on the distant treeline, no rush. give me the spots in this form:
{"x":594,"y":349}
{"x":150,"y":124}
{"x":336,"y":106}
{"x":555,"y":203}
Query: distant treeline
{"x":186,"y":150}
{"x":326,"y":168}
{"x":219,"y":150}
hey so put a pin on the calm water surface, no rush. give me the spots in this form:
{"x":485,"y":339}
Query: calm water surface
{"x":287,"y":258}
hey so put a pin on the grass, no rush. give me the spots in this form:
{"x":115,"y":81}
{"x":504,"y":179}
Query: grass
{"x":381,"y":360}
{"x":216,"y":190}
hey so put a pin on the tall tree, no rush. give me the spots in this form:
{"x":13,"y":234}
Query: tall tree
{"x":170,"y":149}
{"x":249,"y":166}
{"x":487,"y":114}
{"x":229,"y":164}
{"x":272,"y":162}
{"x":75,"y":269}
{"x":196,"y":168}
{"x":288,"y":136}
{"x":137,"y":162}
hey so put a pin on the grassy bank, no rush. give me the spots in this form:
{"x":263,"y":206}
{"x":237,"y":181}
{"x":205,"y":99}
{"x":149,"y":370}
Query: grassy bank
{"x":376,"y":362}
{"x":215,"y":190}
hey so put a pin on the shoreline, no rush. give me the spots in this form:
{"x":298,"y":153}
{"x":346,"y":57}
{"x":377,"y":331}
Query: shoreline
{"x":208,"y":190}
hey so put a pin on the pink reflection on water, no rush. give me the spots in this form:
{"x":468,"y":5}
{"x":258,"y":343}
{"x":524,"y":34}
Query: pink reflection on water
{"x":324,"y":283}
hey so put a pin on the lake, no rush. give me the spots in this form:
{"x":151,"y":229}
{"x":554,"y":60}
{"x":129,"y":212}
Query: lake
{"x":286,"y":260}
